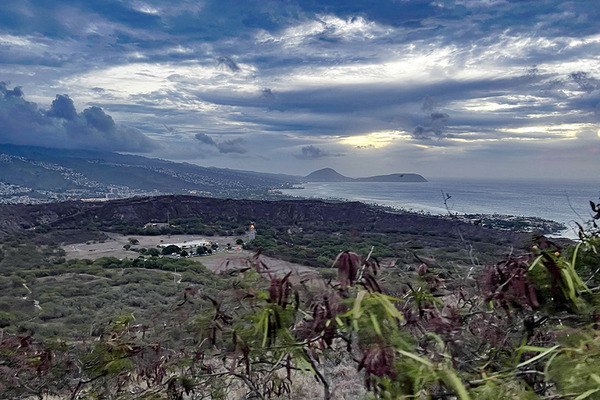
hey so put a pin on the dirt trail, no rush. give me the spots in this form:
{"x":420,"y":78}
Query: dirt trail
{"x":36,"y":303}
{"x":226,"y":261}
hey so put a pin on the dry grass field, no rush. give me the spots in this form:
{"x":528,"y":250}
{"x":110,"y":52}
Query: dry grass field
{"x":113,"y":245}
{"x":218,"y":262}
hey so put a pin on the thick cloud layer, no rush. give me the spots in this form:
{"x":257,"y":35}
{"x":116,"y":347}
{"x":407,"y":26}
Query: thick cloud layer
{"x":429,"y":85}
{"x":61,"y":127}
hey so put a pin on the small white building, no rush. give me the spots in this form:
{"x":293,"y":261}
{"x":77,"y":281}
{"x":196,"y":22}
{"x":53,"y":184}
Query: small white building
{"x":188,"y":244}
{"x":156,"y":225}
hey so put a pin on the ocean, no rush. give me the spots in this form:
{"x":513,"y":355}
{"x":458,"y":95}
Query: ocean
{"x":563,"y":202}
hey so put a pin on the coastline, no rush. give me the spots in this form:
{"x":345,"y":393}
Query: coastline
{"x":545,"y":209}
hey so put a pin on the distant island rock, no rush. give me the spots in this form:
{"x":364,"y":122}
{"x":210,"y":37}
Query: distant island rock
{"x":326,"y":175}
{"x":331,"y":175}
{"x":393,"y":178}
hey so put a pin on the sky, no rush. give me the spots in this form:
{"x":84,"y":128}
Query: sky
{"x":444,"y":88}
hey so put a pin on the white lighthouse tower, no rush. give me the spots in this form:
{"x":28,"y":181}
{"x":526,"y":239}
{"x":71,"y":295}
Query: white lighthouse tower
{"x":251,"y":233}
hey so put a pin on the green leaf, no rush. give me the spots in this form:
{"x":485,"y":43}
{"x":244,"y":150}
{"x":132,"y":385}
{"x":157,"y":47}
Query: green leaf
{"x":575,"y":254}
{"x":356,"y":309}
{"x":544,"y":353}
{"x":375,"y":324}
{"x":453,"y":380}
{"x":391,"y":310}
{"x":535,"y":262}
{"x":415,"y":357}
{"x":586,"y":394}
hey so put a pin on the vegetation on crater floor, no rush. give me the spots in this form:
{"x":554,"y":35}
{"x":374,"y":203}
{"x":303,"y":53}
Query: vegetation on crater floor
{"x":525,"y":326}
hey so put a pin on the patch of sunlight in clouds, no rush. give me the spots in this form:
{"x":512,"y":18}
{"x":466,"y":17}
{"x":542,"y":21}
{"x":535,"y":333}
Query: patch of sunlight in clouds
{"x":131,"y":79}
{"x":561,"y":131}
{"x":145,"y":78}
{"x":466,"y":139}
{"x":485,"y":59}
{"x":145,"y":8}
{"x":28,"y":45}
{"x":354,"y":28}
{"x":520,"y":139}
{"x":10,"y":40}
{"x":553,"y":114}
{"x":482,"y":104}
{"x":425,"y":66}
{"x":576,"y":42}
{"x":181,"y":50}
{"x":516,"y":47}
{"x":590,"y":65}
{"x":374,"y":139}
{"x":348,"y":29}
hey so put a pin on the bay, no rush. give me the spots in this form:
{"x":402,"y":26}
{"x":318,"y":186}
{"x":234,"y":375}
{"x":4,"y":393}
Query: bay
{"x":564,"y":202}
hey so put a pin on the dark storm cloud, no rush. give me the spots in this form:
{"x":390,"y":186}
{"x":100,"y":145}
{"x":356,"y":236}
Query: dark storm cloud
{"x":183,"y":23}
{"x":232,"y":146}
{"x":354,"y":109}
{"x":428,"y":103}
{"x":61,"y":127}
{"x":585,"y":82}
{"x":438,"y":121}
{"x":204,"y":138}
{"x":97,"y":118}
{"x":62,"y":107}
{"x":236,"y":145}
{"x":16,"y":92}
{"x":228,"y":63}
{"x":129,"y":27}
{"x":421,"y":132}
{"x":366,"y":98}
{"x":312,"y":153}
{"x":267,"y":93}
{"x":215,"y":19}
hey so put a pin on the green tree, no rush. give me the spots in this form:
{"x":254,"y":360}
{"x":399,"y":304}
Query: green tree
{"x":170,"y":249}
{"x":153,"y":252}
{"x":201,"y":250}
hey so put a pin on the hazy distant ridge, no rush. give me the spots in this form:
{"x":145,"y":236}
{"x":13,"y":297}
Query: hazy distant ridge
{"x":35,"y":171}
{"x":331,"y":175}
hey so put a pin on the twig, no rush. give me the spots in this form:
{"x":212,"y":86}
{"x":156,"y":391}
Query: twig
{"x":364,"y":265}
{"x":592,"y":276}
{"x":327,"y":393}
{"x":85,"y":382}
{"x":571,"y":207}
{"x":447,"y":197}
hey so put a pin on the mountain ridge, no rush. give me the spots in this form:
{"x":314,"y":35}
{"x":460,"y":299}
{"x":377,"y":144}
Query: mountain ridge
{"x":45,"y":174}
{"x":74,"y":221}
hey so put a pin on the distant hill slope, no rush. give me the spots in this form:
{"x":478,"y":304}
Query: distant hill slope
{"x":331,"y":175}
{"x":35,"y":170}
